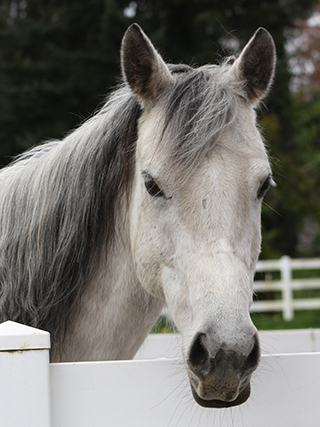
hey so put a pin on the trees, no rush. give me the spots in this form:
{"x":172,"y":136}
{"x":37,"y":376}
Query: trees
{"x":58,"y":58}
{"x":305,"y":61}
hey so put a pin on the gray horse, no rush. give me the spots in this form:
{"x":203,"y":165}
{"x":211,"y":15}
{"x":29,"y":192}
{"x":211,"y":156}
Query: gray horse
{"x":155,"y":199}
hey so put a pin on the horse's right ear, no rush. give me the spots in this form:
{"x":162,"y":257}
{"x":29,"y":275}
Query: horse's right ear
{"x":142,"y":67}
{"x":255,"y":66}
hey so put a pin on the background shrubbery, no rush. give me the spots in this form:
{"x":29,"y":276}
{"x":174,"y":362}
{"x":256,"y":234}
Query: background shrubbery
{"x":59,"y":59}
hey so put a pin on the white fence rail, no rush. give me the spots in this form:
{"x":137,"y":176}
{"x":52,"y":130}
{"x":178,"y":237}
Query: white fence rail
{"x":287,"y":285}
{"x":144,"y":393}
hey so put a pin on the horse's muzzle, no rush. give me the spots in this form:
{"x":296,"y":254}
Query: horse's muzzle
{"x":215,"y":403}
{"x":220,"y":376}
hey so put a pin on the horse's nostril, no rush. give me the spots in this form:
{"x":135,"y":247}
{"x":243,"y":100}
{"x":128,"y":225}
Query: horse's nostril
{"x":202,"y":362}
{"x":199,"y":358}
{"x":252,"y":360}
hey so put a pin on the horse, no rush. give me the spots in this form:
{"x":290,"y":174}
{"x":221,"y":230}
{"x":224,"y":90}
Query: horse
{"x":155,"y":199}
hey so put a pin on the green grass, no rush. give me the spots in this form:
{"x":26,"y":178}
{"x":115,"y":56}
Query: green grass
{"x":164,"y":326}
{"x":302,"y":319}
{"x":263,"y":321}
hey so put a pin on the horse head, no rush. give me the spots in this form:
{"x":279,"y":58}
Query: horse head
{"x":201,"y":174}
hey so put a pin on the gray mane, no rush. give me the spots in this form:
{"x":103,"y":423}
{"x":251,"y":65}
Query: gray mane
{"x":58,"y":204}
{"x":58,"y":201}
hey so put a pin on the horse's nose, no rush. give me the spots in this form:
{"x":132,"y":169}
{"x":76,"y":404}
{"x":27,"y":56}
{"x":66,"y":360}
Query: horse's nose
{"x":206,"y":357}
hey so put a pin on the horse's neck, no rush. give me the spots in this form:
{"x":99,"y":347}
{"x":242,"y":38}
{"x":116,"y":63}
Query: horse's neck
{"x":114,"y":315}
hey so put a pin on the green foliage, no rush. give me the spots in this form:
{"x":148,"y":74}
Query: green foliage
{"x":58,"y":59}
{"x":291,"y":226}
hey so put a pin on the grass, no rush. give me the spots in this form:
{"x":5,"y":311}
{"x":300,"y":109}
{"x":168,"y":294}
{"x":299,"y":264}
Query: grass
{"x":164,"y":326}
{"x":263,"y":321}
{"x":302,"y":319}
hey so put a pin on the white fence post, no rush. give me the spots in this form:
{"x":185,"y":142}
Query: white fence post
{"x":24,"y":376}
{"x":286,"y":278}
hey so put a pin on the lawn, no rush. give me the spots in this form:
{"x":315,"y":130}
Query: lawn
{"x":302,"y":319}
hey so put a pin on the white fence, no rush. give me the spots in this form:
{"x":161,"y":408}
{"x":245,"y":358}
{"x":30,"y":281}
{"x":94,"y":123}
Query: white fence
{"x":287,"y":285}
{"x":149,"y":392}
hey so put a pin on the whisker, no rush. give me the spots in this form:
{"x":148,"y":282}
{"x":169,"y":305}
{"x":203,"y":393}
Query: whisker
{"x":273,"y":210}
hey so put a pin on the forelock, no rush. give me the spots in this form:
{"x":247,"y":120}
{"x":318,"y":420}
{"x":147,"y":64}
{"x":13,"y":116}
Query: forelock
{"x":199,"y":106}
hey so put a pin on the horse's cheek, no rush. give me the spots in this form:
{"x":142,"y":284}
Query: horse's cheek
{"x":148,"y":267}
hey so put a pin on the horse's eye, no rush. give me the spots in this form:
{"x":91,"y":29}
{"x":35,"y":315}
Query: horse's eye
{"x":264,"y":187}
{"x":152,"y":187}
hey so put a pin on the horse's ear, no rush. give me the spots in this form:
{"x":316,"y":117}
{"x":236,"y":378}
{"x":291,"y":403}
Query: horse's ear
{"x":256,"y":65}
{"x":142,"y":66}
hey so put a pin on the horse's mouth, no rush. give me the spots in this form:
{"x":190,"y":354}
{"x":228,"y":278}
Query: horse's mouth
{"x":242,"y":397}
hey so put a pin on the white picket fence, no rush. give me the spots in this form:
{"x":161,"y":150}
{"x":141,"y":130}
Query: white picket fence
{"x":150,"y":392}
{"x":287,"y":285}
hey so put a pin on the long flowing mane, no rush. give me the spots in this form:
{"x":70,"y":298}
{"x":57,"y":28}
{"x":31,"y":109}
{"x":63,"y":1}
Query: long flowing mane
{"x":57,"y":206}
{"x":58,"y":201}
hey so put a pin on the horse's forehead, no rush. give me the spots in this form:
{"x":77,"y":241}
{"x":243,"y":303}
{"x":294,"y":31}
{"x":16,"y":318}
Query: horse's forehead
{"x":244,"y":144}
{"x":239,"y":145}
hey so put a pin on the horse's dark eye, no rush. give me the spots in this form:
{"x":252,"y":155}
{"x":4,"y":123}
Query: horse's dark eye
{"x":152,"y":187}
{"x":264,"y":187}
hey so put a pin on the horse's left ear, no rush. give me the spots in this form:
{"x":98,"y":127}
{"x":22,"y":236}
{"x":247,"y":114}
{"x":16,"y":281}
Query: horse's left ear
{"x":143,"y":68}
{"x":256,"y":65}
